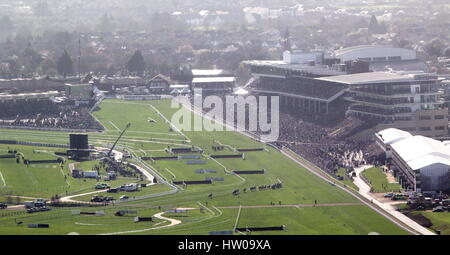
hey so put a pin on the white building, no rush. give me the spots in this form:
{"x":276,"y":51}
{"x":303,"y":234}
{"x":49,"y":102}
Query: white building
{"x":375,"y":53}
{"x":422,"y":163}
{"x":299,"y":57}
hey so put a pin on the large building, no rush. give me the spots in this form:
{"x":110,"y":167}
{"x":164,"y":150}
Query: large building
{"x":374,"y":53}
{"x":196,"y":73}
{"x":301,"y":57}
{"x":422,"y":164}
{"x":294,"y":83}
{"x":410,"y":101}
{"x":214,"y":84}
{"x":382,"y":57}
{"x":213,"y":80}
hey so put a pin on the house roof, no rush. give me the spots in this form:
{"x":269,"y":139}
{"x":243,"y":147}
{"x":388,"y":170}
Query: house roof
{"x":161,"y":76}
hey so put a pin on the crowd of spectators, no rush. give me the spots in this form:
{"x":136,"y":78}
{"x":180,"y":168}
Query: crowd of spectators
{"x":47,"y":114}
{"x":328,"y":142}
{"x":328,"y":147}
{"x":120,"y":168}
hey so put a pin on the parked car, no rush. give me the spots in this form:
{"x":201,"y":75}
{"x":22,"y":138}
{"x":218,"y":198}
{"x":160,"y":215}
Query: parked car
{"x":112,"y":191}
{"x":388,"y":194}
{"x":439,"y":209}
{"x":32,"y":210}
{"x":109,"y":199}
{"x":101,"y":186}
{"x":3,"y":206}
{"x":97,"y":199}
{"x":44,"y":209}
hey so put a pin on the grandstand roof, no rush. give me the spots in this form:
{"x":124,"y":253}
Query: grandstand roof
{"x":37,"y":95}
{"x":316,"y":69}
{"x":419,"y":151}
{"x":363,"y":47}
{"x":392,"y":135}
{"x":213,"y":79}
{"x":374,"y":77}
{"x":207,"y":72}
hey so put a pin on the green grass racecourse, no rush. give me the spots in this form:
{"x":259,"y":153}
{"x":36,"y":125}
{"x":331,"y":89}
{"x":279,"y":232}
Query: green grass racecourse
{"x":440,"y":220}
{"x":378,"y":181}
{"x":336,"y":213}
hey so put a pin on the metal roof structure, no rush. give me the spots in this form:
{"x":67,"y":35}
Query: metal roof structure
{"x":417,"y":151}
{"x":213,"y":79}
{"x":313,"y":69}
{"x":207,"y":72}
{"x":392,"y":135}
{"x":379,"y":77}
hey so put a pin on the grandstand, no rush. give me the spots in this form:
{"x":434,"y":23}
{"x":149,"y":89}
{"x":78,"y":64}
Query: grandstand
{"x":214,"y":83}
{"x":407,"y":100}
{"x":295,"y":85}
{"x":4,"y":97}
{"x":36,"y":110}
{"x":301,"y":93}
{"x":30,"y":84}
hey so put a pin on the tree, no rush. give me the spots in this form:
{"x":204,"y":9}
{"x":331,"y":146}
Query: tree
{"x":65,"y":65}
{"x":374,"y":27}
{"x":105,"y":24}
{"x":286,"y":41}
{"x":46,"y":65}
{"x":136,"y":64}
{"x":6,"y":25}
{"x":434,"y":47}
{"x":41,"y":9}
{"x":30,"y":60}
{"x":447,"y":52}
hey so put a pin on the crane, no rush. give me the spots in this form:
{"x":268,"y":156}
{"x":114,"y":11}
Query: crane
{"x":114,"y":145}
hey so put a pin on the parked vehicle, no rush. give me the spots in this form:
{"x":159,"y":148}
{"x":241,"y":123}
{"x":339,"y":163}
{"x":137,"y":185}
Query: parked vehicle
{"x":101,"y":186}
{"x":388,"y":194}
{"x":112,"y":191}
{"x":124,"y":197}
{"x":40,"y":202}
{"x":129,"y":187}
{"x":399,"y":197}
{"x":3,"y":206}
{"x":109,"y":199}
{"x":97,"y":199}
{"x":439,"y":209}
{"x":32,"y":210}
